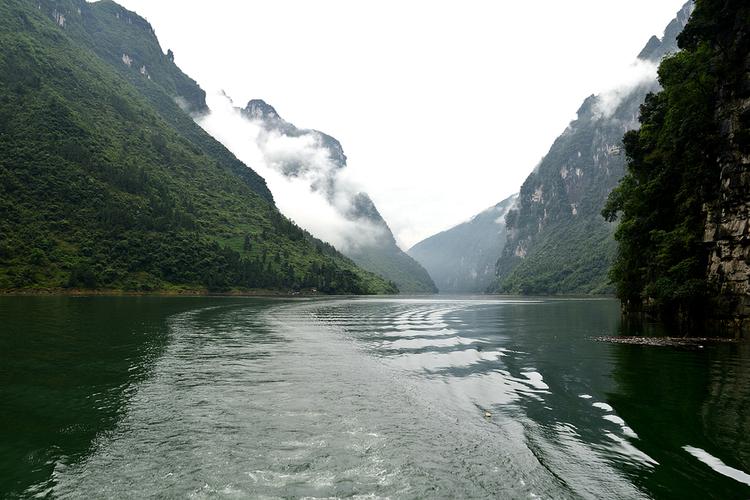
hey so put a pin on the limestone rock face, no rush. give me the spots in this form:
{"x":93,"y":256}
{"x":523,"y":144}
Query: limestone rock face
{"x":727,"y":227}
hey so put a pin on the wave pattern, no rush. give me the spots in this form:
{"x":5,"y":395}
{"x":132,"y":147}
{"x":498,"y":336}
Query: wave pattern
{"x":478,"y":356}
{"x":395,"y":398}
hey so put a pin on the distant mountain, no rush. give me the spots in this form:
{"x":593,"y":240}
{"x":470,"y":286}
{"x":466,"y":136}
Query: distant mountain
{"x":372,"y":245}
{"x":462,"y":259}
{"x":558,"y":241}
{"x":107,"y":182}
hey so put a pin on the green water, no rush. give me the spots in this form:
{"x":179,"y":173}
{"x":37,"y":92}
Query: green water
{"x":139,"y":397}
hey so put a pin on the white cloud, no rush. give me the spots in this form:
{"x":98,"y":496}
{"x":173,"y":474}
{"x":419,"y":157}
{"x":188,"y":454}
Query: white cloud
{"x":443,"y":106}
{"x":639,"y":73}
{"x":301,"y":198}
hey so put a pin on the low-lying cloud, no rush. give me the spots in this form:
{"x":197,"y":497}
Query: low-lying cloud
{"x":640,"y":73}
{"x":306,"y":183}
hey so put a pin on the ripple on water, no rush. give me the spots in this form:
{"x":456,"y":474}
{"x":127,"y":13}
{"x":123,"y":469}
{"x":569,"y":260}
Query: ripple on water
{"x":392,"y":398}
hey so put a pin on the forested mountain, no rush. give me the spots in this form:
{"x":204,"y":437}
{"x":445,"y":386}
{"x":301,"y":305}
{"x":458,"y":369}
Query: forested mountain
{"x":462,"y":259}
{"x":106,"y":181}
{"x":371,"y":243}
{"x":558,"y":241}
{"x":683,"y":207}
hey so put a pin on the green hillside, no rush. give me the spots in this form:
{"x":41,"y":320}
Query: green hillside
{"x":106,"y":182}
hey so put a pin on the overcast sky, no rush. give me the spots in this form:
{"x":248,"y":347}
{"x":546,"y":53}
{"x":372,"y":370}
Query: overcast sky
{"x":442,"y":107}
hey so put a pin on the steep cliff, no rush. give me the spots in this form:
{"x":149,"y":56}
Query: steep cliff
{"x":557,"y":240}
{"x":683,"y":205}
{"x":462,"y":259}
{"x":728,"y":226}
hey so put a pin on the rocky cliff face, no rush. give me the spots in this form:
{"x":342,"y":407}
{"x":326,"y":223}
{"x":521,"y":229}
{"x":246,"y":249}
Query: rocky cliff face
{"x":557,"y":240}
{"x":727,"y":225}
{"x":683,"y":204}
{"x":135,"y":45}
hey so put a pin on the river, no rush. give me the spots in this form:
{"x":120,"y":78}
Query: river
{"x":392,"y":397}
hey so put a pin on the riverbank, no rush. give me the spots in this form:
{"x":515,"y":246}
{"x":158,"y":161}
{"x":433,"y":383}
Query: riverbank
{"x":696,"y":342}
{"x":178,"y":292}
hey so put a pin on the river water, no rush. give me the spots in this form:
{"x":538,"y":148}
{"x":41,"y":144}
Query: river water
{"x":436,"y":397}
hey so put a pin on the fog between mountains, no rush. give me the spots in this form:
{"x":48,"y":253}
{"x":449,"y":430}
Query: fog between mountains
{"x":639,"y":73}
{"x":318,"y":197}
{"x":308,"y":186}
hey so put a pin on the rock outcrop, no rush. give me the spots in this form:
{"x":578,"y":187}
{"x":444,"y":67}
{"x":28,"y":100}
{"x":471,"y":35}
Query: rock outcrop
{"x":727,"y":227}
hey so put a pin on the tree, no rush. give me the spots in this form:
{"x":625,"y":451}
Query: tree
{"x":673,"y":171}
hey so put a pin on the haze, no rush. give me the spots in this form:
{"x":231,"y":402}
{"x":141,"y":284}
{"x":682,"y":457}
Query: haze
{"x":443,"y":108}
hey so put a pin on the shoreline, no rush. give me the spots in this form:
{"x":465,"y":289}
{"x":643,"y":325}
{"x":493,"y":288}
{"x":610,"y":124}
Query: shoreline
{"x":77,"y":292}
{"x":695,"y":342}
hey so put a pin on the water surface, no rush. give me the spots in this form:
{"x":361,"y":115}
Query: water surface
{"x":370,"y":397}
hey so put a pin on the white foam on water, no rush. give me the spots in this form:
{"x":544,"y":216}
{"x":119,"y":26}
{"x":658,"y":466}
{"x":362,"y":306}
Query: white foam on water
{"x":603,"y":406}
{"x":615,"y":419}
{"x":718,"y":466}
{"x":422,"y":361}
{"x":414,"y":332}
{"x":536,"y":380}
{"x":631,"y":451}
{"x":629,"y":432}
{"x":427,"y":342}
{"x":626,"y":430}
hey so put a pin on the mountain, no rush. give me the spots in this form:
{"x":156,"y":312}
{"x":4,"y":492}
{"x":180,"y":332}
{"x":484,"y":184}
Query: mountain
{"x":462,"y":259}
{"x":558,"y":242}
{"x":107,"y":182}
{"x":684,"y":205}
{"x":319,"y":160}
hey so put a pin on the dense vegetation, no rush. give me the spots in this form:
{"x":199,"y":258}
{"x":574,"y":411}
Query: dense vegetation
{"x":558,"y":242}
{"x":105,"y":182}
{"x":573,"y":258}
{"x":673,"y":169}
{"x":389,"y":261}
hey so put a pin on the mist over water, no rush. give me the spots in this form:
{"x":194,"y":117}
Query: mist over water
{"x":375,"y":397}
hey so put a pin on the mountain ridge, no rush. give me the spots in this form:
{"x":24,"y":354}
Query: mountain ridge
{"x":379,"y":254}
{"x":462,"y":259}
{"x":107,"y":182}
{"x":558,"y":242}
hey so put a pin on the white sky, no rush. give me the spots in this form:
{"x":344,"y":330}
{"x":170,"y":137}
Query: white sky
{"x":443,"y":107}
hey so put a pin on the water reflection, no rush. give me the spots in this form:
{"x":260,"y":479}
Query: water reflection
{"x":68,"y":366}
{"x":524,"y":362}
{"x":386,"y":397}
{"x":625,"y":413}
{"x":688,"y":404}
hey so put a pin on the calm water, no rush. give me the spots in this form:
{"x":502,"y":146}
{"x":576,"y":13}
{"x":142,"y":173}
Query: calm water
{"x":392,"y":397}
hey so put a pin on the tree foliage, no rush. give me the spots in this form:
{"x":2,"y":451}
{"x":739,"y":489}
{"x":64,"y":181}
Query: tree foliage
{"x":105,"y":182}
{"x":673,"y":172}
